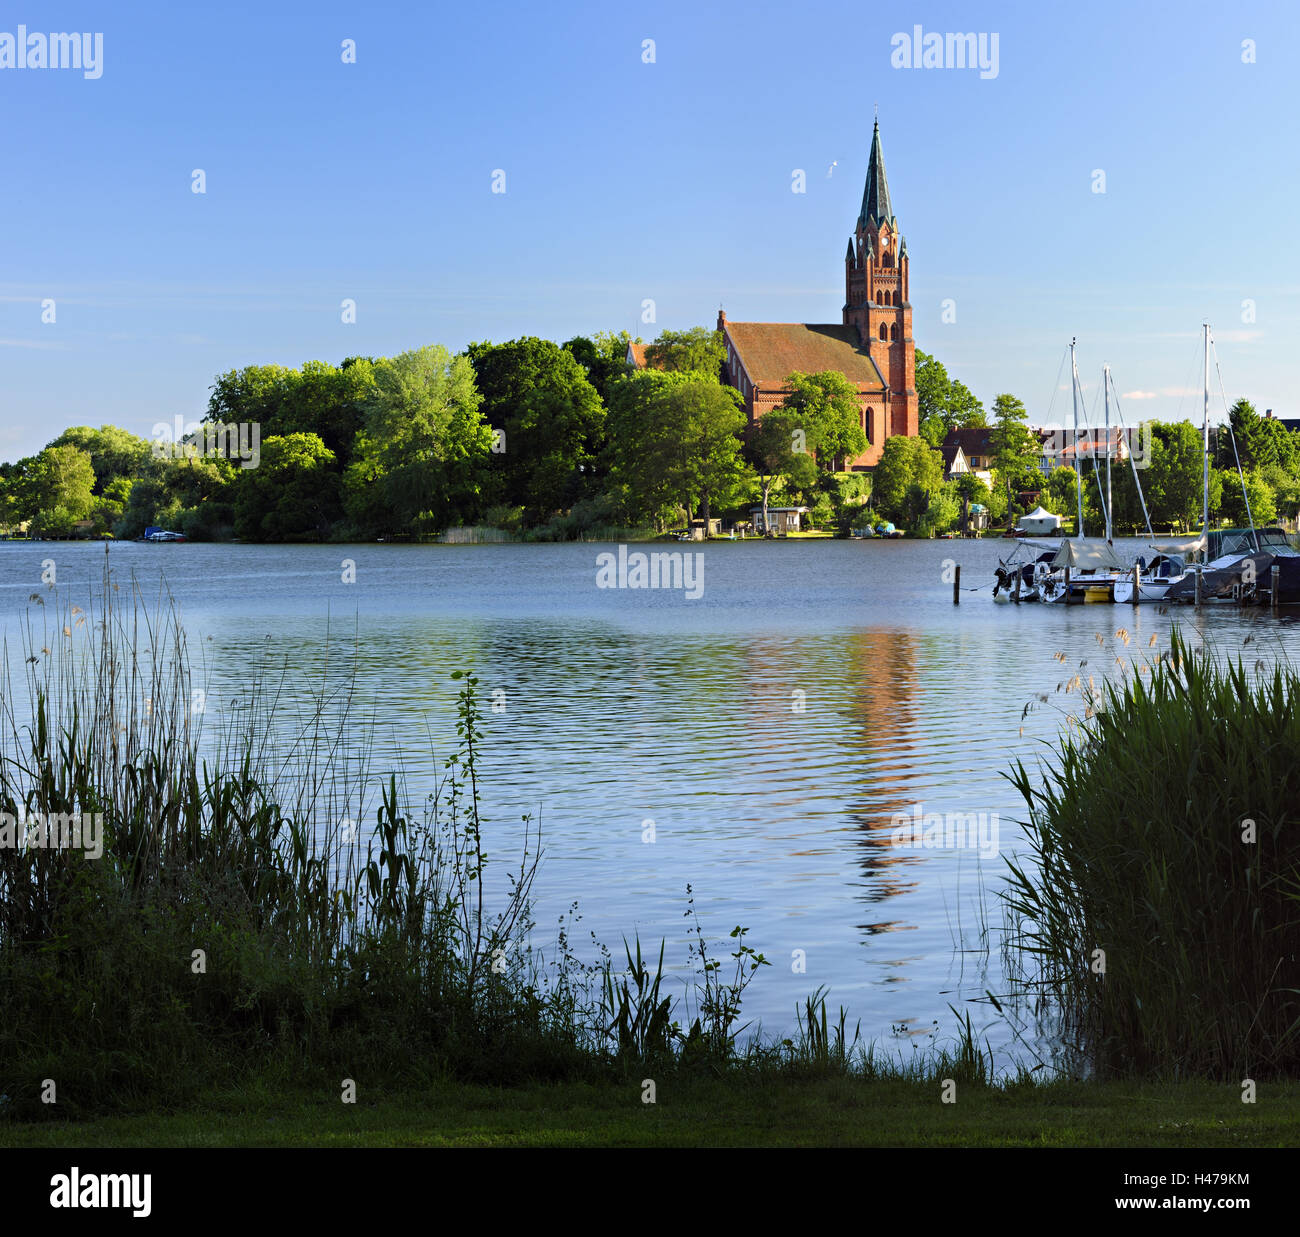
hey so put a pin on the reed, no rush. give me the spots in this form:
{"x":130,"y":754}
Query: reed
{"x":1157,"y":909}
{"x":232,"y":915}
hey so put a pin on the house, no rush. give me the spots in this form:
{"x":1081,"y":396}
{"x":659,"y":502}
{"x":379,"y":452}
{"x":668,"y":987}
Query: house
{"x":780,"y":519}
{"x":1059,"y":448}
{"x":971,"y":450}
{"x":954,"y":461}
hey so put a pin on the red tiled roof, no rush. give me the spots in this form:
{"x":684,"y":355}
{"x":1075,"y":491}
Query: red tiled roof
{"x":638,"y":354}
{"x":772,"y":351}
{"x":1088,"y":447}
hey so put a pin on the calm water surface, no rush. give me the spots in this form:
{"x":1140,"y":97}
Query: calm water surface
{"x":770,"y":729}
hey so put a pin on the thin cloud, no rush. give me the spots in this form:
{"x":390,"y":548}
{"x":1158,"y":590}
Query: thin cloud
{"x":41,"y":344}
{"x":1163,"y":393}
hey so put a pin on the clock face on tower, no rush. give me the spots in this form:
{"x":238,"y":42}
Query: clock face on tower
{"x":884,"y":240}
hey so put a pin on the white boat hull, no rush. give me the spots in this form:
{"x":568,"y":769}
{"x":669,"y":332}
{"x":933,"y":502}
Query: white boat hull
{"x":1150,"y":592}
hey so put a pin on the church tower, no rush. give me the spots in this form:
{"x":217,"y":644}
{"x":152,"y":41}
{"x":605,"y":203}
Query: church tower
{"x":876,"y":295}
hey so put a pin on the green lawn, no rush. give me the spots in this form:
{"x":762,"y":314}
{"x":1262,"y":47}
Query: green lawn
{"x":712,"y":1113}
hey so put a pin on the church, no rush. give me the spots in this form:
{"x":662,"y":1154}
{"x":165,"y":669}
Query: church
{"x":872,"y":346}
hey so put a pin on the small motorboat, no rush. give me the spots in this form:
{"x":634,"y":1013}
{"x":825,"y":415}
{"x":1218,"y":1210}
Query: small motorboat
{"x":154,"y":534}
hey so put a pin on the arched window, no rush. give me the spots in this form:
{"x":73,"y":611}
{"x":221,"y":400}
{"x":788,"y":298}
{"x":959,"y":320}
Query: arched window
{"x":893,"y":332}
{"x":896,"y":300}
{"x":869,"y":425}
{"x":883,"y":333}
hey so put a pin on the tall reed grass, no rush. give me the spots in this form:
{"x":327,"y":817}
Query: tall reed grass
{"x":1158,"y":907}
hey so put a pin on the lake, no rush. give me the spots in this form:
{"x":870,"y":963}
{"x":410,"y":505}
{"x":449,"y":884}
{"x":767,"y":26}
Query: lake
{"x":771,"y":729}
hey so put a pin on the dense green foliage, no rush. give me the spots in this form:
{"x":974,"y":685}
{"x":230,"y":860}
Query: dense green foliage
{"x":532,"y":439}
{"x":943,"y":403}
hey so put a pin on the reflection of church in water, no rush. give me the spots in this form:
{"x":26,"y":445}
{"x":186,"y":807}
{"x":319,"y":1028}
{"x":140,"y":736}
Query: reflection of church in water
{"x":871,"y":678}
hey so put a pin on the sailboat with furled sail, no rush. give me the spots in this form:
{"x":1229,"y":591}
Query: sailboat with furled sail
{"x":1225,"y":564}
{"x":1066,"y":571}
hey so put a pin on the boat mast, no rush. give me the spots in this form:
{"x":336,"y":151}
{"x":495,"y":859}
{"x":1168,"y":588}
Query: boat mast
{"x":1078,"y":469}
{"x":1205,"y":501}
{"x":1105,"y":386}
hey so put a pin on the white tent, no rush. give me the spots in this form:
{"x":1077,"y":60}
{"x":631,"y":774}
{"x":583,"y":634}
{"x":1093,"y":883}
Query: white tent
{"x":1040,"y":523}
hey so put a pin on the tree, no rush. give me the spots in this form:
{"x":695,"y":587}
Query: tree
{"x":57,"y":490}
{"x":674,"y":440}
{"x":778,"y":448}
{"x":964,"y":410}
{"x":1061,"y":492}
{"x":113,"y":452}
{"x":931,"y":511}
{"x":417,"y":464}
{"x":904,"y":463}
{"x":1286,"y":489}
{"x":552,"y":417}
{"x":1232,"y":503}
{"x":322,"y":399}
{"x":109,"y":505}
{"x":1260,"y":441}
{"x":933,"y":396}
{"x":699,"y":349}
{"x":828,"y":405}
{"x":293,"y":493}
{"x":1015,"y":449}
{"x":192,"y":494}
{"x":1172,"y":480}
{"x":329,"y":402}
{"x":603,"y":355}
{"x":943,"y":403}
{"x":255,"y":394}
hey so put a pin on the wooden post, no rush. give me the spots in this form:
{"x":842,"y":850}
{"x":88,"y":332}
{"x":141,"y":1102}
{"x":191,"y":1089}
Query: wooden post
{"x":1275,"y":580}
{"x":1066,"y":598}
{"x":1015,"y":596}
{"x":956,"y":585}
{"x":1137,"y":578}
{"x":1199,"y":574}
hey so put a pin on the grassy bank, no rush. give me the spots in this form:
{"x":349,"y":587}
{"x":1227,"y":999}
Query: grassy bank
{"x":711,"y":1112}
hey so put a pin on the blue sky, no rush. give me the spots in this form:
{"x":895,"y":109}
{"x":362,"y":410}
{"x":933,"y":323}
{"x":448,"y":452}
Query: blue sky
{"x":627,"y":181}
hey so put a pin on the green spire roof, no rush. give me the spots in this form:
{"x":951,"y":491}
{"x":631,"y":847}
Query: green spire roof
{"x":875,"y":197}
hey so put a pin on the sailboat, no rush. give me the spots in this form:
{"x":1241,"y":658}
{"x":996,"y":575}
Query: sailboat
{"x":1231,"y":564}
{"x":1065,"y":571}
{"x":1085,"y":571}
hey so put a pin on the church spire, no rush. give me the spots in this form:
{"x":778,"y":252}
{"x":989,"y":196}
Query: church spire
{"x":875,"y":197}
